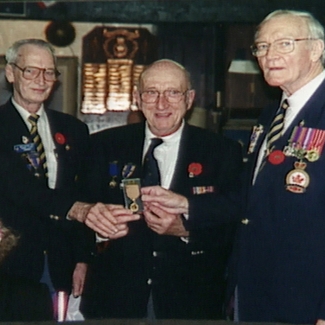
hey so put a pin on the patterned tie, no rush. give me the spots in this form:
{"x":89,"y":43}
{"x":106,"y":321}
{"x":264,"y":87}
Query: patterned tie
{"x":151,"y":174}
{"x":276,"y":127}
{"x":35,"y":137}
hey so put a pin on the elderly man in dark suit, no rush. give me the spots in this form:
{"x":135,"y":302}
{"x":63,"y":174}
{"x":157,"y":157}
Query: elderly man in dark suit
{"x":162,"y":266}
{"x":48,"y":148}
{"x":281,"y":260}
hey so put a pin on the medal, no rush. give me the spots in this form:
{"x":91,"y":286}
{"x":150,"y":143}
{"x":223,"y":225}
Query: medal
{"x":276,"y":157}
{"x":131,"y":190}
{"x":297,"y":180}
{"x":256,"y":132}
{"x":113,"y":172}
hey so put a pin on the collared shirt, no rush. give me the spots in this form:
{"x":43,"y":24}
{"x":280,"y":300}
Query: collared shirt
{"x":166,"y":153}
{"x":44,"y":131}
{"x":296,"y":102}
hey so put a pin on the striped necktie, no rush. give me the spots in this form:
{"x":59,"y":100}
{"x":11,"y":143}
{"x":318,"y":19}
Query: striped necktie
{"x":276,"y":127}
{"x":35,"y":137}
{"x":151,"y":174}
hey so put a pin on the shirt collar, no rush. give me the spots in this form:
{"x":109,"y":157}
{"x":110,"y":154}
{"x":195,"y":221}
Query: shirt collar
{"x":169,"y":139}
{"x":23,"y":112}
{"x":301,"y":96}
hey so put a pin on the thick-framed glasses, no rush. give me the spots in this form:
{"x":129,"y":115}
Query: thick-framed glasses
{"x":31,"y":73}
{"x":171,"y":95}
{"x":283,"y":46}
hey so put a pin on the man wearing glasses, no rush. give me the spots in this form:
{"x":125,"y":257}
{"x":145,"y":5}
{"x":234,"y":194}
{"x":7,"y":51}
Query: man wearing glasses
{"x":161,"y":266}
{"x":43,"y":150}
{"x":281,"y":260}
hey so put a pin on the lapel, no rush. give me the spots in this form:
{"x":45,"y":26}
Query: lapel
{"x":180,"y":176}
{"x":13,"y":128}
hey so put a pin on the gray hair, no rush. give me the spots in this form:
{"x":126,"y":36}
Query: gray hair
{"x":12,"y":53}
{"x":315,"y":28}
{"x":163,"y":62}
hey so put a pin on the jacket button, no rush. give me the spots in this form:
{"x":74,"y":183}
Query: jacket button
{"x":245,"y":221}
{"x":149,"y":281}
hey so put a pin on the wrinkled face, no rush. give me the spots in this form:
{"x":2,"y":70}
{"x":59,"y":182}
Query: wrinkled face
{"x":163,"y":117}
{"x":30,"y":94}
{"x":292,"y":70}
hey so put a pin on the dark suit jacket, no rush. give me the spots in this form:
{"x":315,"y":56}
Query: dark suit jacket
{"x":186,"y":279}
{"x":281,"y":258}
{"x":37,"y":213}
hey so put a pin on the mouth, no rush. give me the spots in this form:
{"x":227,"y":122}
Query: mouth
{"x":162,"y":115}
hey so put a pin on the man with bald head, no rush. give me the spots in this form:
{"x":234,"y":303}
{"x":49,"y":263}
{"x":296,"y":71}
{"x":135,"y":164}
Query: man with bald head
{"x":163,"y":265}
{"x":281,"y":260}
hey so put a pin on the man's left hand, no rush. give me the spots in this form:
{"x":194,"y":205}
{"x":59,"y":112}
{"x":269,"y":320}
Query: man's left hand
{"x":164,"y":223}
{"x":320,"y":322}
{"x":78,"y":279}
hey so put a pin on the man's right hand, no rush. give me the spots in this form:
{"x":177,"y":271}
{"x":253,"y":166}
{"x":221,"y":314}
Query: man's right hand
{"x":108,"y":220}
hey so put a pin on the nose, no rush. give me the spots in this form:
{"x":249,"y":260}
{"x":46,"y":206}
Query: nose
{"x":271,"y":51}
{"x":161,"y":101}
{"x":40,"y":78}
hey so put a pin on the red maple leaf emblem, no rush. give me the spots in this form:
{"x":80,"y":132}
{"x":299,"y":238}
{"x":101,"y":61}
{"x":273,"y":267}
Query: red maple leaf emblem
{"x":298,"y":179}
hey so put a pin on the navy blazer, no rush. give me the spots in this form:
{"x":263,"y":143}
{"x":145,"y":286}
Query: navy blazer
{"x":186,"y":279}
{"x":37,"y":213}
{"x":281,"y":249}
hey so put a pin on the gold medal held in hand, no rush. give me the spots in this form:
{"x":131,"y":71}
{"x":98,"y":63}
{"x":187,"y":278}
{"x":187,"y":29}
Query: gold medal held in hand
{"x":131,"y":188}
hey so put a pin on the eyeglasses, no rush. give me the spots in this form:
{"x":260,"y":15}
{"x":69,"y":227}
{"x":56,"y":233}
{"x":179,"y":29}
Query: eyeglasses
{"x":31,"y":73}
{"x":171,"y":95}
{"x":283,"y":46}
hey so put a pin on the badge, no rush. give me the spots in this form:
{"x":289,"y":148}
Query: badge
{"x":128,"y":170}
{"x":202,"y":189}
{"x":297,"y":179}
{"x":24,"y":139}
{"x":276,"y":157}
{"x":256,"y":132}
{"x":20,"y":148}
{"x":132,"y":192}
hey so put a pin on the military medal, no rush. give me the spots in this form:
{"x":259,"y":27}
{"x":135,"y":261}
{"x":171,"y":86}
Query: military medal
{"x":256,"y":132}
{"x":305,"y":143}
{"x":297,"y":180}
{"x":131,"y":189}
{"x":133,"y":192}
{"x":113,"y":172}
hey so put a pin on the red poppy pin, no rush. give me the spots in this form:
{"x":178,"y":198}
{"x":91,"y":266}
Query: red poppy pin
{"x":194,"y":169}
{"x":59,"y":138}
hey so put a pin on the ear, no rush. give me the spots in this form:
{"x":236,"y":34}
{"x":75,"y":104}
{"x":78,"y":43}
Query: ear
{"x":190,"y":95}
{"x":9,"y":73}
{"x":317,"y":50}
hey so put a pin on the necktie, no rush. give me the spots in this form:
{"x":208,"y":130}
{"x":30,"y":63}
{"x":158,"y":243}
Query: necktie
{"x":151,"y":174}
{"x":35,"y":137}
{"x":276,"y":127}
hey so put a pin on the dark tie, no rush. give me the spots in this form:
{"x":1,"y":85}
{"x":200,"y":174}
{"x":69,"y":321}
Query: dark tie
{"x":151,"y":174}
{"x":276,"y":127}
{"x":35,"y":137}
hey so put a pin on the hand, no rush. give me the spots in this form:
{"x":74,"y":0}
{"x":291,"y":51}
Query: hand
{"x":164,"y":223}
{"x":110,"y":220}
{"x":320,"y":322}
{"x":78,"y":279}
{"x":165,"y":199}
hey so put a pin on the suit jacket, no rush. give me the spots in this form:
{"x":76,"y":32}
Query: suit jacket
{"x":280,"y":251}
{"x":37,"y":213}
{"x":186,"y":278}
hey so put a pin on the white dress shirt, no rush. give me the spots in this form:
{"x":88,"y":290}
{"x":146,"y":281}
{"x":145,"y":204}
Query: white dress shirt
{"x":44,"y":131}
{"x":296,"y":102}
{"x":166,"y":154}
